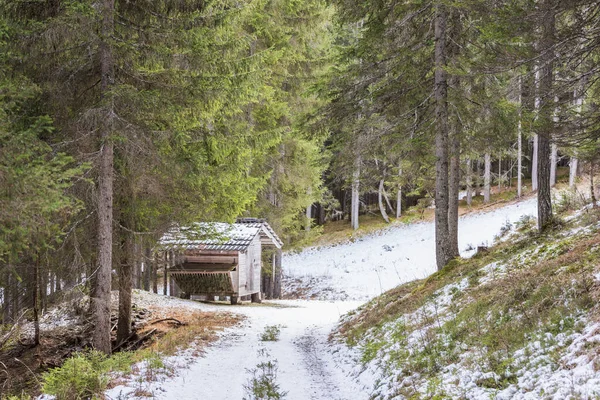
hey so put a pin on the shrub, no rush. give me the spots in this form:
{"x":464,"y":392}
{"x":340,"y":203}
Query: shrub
{"x":84,"y":375}
{"x":271,"y":333}
{"x":262,"y":384}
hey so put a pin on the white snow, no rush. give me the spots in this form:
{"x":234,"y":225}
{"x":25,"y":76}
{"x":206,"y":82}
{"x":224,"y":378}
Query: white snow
{"x":374,"y":264}
{"x":306,"y":367}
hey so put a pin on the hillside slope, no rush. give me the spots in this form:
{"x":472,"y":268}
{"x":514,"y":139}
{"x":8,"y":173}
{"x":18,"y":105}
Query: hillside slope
{"x":371,"y":265}
{"x":520,"y":321}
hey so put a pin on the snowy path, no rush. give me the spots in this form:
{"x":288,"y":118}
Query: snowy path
{"x":306,"y":368}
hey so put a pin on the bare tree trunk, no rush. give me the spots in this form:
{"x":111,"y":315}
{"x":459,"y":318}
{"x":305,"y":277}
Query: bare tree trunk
{"x":573,"y":171}
{"x":573,"y":163}
{"x":478,"y":178}
{"x":165,"y":268}
{"x":36,"y":309}
{"x":469,"y":181}
{"x":520,"y":159}
{"x":355,"y":195}
{"x":454,"y":183}
{"x":553,"y":162}
{"x":399,"y":195}
{"x":534,"y":164}
{"x":147,"y":274}
{"x":499,"y":173}
{"x":277,"y":275}
{"x":545,"y":116}
{"x":100,"y":294}
{"x":592,"y":192}
{"x":380,"y":201}
{"x":487,"y":178}
{"x":308,"y":211}
{"x":125,"y":284}
{"x":154,"y":271}
{"x":442,"y":234}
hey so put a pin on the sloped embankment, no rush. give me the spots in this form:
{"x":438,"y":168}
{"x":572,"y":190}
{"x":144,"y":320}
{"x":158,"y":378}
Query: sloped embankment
{"x":519,"y":321}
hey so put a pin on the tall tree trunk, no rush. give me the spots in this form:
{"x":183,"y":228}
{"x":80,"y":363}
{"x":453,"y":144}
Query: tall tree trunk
{"x":478,"y":178}
{"x":308,"y":211}
{"x":573,"y":163}
{"x":125,"y":286}
{"x":487,"y":178}
{"x":573,"y":171}
{"x":535,"y":164}
{"x":380,"y":202}
{"x":147,"y":274}
{"x":592,"y":192}
{"x":166,"y":261}
{"x":154,"y":271}
{"x":520,"y":159}
{"x":545,"y":115}
{"x":442,"y":234}
{"x":454,"y":182}
{"x":399,"y":195}
{"x":35,"y":301}
{"x":100,"y":294}
{"x":355,"y":195}
{"x":277,"y":275}
{"x":499,"y":173}
{"x":469,"y":181}
{"x":553,"y":162}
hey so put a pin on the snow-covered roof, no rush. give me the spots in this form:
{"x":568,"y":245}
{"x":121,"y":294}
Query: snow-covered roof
{"x":212,"y":236}
{"x":266,"y":232}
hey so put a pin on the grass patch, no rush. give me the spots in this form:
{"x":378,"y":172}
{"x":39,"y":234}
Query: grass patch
{"x":482,"y":311}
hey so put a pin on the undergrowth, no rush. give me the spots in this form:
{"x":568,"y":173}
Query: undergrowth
{"x":483,"y":313}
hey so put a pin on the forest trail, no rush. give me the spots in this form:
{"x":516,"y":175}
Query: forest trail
{"x":306,"y":367}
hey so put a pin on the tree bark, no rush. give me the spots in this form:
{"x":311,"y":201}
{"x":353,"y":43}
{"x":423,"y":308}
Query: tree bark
{"x":166,"y":261}
{"x":442,"y":234}
{"x":35,"y":301}
{"x":545,"y":115}
{"x":469,"y":182}
{"x":553,"y":162}
{"x":534,"y":164}
{"x":399,"y":195}
{"x":499,"y":173}
{"x":454,"y":183}
{"x":154,"y":271}
{"x":487,"y":178}
{"x":125,"y":287}
{"x":380,"y":202}
{"x":592,"y":192}
{"x":100,"y":294}
{"x":277,"y":275}
{"x":308,"y":211}
{"x":355,"y":195}
{"x":573,"y":171}
{"x":520,"y":159}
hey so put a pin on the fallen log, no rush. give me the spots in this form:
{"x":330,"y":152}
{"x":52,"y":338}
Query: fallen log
{"x":178,"y":322}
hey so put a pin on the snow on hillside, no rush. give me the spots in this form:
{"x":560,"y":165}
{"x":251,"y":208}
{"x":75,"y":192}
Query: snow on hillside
{"x":371,"y":265}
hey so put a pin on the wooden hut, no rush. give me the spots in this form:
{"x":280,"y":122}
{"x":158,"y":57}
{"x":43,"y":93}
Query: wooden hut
{"x":219,"y":259}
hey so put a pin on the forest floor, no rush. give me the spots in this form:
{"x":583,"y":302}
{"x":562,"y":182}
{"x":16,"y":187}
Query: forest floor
{"x":286,"y":342}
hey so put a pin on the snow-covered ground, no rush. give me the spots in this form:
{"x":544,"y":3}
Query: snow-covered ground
{"x":306,"y":367}
{"x":349,"y":274}
{"x":374,"y":264}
